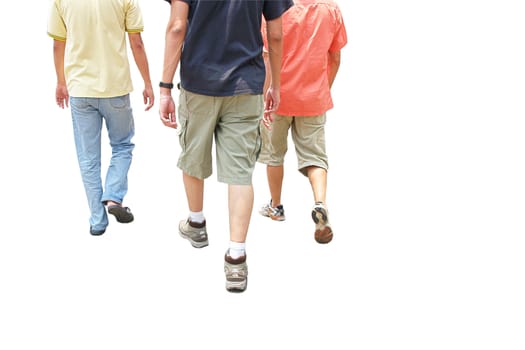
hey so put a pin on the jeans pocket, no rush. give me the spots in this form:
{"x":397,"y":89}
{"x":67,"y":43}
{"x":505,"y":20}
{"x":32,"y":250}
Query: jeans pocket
{"x":119,"y":102}
{"x":79,"y":103}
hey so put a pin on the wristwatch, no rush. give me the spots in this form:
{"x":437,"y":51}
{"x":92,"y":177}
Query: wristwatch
{"x":166,"y":85}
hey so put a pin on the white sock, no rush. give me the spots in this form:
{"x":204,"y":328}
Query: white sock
{"x":197,"y":217}
{"x":237,"y":249}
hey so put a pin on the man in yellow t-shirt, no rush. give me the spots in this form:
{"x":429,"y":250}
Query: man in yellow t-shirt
{"x":93,"y":75}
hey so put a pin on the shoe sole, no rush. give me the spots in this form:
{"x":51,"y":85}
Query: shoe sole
{"x":97,"y":232}
{"x":236,"y":286}
{"x":277,"y":218}
{"x":319,"y":216}
{"x":323,"y":233}
{"x":194,"y":244}
{"x":324,"y":236}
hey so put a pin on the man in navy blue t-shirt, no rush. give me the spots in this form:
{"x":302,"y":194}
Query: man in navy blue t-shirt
{"x":219,"y":47}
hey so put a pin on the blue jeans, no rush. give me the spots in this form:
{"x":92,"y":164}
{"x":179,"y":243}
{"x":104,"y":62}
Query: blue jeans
{"x":88,"y":116}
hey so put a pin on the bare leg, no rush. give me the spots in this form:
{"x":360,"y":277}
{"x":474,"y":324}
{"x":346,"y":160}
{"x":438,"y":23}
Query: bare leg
{"x":240,"y":205}
{"x":275,"y":176}
{"x":318,"y":181}
{"x":194,"y":192}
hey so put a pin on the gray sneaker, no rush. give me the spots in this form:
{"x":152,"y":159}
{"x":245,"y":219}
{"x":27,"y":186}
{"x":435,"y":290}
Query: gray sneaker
{"x":323,"y":230}
{"x":194,"y":232}
{"x":274,"y":213}
{"x":236,"y":271}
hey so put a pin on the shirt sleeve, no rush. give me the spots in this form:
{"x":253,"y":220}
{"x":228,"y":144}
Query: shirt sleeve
{"x":186,"y":1}
{"x":340,"y":38}
{"x":56,"y":28}
{"x":275,"y":8}
{"x":134,"y":21}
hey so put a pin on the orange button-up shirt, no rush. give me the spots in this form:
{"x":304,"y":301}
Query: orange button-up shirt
{"x":311,"y":29}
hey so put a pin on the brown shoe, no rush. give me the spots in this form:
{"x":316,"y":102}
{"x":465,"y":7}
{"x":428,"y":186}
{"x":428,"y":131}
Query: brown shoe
{"x":323,"y":230}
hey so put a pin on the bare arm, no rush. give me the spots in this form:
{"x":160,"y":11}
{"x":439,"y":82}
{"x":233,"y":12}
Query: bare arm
{"x":275,"y":53}
{"x":141,"y":59}
{"x":175,"y":34}
{"x":61,"y":93}
{"x":268,"y":77}
{"x":267,"y":116}
{"x":334,"y":60}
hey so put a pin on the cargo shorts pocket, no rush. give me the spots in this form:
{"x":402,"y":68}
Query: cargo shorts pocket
{"x":181,"y":130}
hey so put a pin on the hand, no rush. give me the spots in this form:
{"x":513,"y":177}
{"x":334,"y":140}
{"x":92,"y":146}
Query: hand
{"x":267,"y":119}
{"x":149,"y":98}
{"x":62,"y":95}
{"x":271,"y":103}
{"x":167,"y":111}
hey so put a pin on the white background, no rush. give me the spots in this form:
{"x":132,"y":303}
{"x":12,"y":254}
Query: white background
{"x":426,"y":194}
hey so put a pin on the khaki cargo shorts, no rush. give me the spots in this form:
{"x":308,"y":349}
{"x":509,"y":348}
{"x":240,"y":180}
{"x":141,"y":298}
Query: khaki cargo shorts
{"x":308,"y":137}
{"x":233,"y":122}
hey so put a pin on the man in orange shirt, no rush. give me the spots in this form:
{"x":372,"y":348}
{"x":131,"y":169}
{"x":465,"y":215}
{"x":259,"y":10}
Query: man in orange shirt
{"x":313,"y":36}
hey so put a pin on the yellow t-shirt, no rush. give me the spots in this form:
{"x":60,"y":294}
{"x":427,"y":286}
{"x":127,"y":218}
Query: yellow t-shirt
{"x":96,"y":60}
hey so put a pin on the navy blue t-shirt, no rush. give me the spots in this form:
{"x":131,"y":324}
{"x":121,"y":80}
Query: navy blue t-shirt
{"x":222,"y":52}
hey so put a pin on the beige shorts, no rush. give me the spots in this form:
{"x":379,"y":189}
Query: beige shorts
{"x":233,"y":121}
{"x":308,"y":137}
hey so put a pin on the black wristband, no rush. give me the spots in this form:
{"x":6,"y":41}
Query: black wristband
{"x":166,"y":85}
